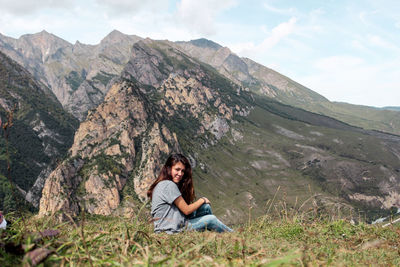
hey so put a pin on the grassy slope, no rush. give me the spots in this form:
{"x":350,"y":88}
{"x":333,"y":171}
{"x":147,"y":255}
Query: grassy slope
{"x":302,"y":97}
{"x":233,"y":172}
{"x":357,"y":115}
{"x":362,"y":116}
{"x":285,"y":240}
{"x":243,"y":175}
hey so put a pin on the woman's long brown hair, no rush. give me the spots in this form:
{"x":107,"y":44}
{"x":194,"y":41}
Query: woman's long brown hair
{"x":185,"y":185}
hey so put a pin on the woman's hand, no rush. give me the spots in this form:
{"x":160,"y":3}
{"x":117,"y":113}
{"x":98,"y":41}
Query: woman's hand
{"x":206,"y":201}
{"x":188,"y":209}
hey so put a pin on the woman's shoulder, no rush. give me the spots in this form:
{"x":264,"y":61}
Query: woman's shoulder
{"x":166,"y":187}
{"x":165,"y":183}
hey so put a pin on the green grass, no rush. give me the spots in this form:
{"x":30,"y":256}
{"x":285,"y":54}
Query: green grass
{"x":361,"y":116}
{"x":103,"y":77}
{"x":74,"y":80}
{"x":306,"y":240}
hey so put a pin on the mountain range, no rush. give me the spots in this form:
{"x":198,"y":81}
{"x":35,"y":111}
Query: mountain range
{"x":248,"y":130}
{"x":77,"y":74}
{"x":80,"y":75}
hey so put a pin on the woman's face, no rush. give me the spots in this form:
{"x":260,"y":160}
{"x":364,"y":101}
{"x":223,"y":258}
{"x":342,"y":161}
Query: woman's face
{"x":177,"y":172}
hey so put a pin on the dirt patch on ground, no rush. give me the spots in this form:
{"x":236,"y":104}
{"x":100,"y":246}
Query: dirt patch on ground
{"x":288,"y":133}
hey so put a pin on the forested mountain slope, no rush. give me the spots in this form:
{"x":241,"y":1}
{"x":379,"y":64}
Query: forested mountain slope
{"x":41,"y":133}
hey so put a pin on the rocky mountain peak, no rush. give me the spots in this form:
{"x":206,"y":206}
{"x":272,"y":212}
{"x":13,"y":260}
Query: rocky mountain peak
{"x":205,"y":43}
{"x":43,"y":41}
{"x":114,"y":34}
{"x":206,"y":51}
{"x":79,"y":44}
{"x":4,"y":37}
{"x":116,"y":37}
{"x":44,"y":33}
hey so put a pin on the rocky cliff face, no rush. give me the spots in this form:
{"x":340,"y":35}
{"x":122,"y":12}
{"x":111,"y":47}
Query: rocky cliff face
{"x":77,"y":74}
{"x":119,"y":149}
{"x":42,"y":131}
{"x":221,"y":58}
{"x":248,"y":73}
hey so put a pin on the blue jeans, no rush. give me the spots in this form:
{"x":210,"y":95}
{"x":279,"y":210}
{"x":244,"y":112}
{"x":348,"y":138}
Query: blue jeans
{"x":203,"y":219}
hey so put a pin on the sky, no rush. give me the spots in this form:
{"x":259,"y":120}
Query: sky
{"x":347,"y":51}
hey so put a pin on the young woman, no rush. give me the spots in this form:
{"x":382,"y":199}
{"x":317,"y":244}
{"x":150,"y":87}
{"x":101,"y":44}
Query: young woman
{"x":172,"y":201}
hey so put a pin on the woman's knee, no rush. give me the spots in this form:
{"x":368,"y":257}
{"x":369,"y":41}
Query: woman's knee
{"x":204,"y":209}
{"x":207,"y":208}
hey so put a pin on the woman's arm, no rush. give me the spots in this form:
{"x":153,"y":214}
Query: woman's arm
{"x":188,"y":209}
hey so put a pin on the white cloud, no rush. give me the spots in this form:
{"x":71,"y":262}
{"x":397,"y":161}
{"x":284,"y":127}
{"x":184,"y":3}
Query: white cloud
{"x":362,"y":16}
{"x":264,"y":29}
{"x":278,"y":33}
{"x":242,"y":48}
{"x":28,"y":7}
{"x":397,"y":24}
{"x":129,"y":7}
{"x":315,"y":13}
{"x":200,"y":16}
{"x":283,"y":11}
{"x":358,"y":45}
{"x":378,"y":41}
{"x":63,"y":24}
{"x":274,"y":37}
{"x":20,"y":25}
{"x":191,"y":19}
{"x":143,"y":26}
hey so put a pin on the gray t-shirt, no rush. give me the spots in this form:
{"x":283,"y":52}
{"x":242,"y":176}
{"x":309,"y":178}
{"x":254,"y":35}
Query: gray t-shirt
{"x":167,"y":217}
